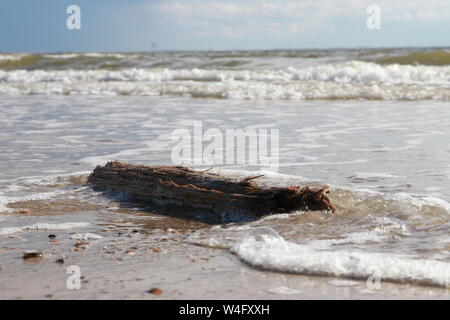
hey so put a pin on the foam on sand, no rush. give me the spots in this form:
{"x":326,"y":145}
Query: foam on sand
{"x":43,"y":226}
{"x":86,"y":236}
{"x":271,"y":252}
{"x":24,"y":188}
{"x":5,"y":200}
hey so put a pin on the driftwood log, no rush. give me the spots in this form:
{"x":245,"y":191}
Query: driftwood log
{"x":202,"y":189}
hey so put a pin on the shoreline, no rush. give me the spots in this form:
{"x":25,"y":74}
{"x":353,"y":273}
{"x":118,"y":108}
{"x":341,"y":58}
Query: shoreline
{"x":127,"y":262}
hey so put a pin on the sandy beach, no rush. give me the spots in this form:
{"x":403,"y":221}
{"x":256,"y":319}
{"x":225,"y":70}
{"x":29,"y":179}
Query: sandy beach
{"x":128,"y":265}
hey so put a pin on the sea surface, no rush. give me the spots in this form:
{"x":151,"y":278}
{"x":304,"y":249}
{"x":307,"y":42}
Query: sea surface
{"x":373,"y":124}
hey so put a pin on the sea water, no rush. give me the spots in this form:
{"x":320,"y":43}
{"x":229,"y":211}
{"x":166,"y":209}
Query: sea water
{"x":372,"y":124}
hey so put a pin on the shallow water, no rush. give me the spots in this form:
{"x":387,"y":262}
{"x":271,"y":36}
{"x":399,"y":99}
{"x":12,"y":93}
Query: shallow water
{"x":387,"y":164}
{"x":371,"y":123}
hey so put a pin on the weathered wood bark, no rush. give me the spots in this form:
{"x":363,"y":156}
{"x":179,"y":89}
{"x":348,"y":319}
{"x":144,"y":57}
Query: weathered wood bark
{"x":187,"y":187}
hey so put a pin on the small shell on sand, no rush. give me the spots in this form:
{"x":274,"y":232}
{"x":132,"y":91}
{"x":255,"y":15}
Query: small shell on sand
{"x":155,"y":291}
{"x":32,"y":254}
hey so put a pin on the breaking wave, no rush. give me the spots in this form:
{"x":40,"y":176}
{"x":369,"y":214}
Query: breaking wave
{"x":348,"y":80}
{"x":272,"y":252}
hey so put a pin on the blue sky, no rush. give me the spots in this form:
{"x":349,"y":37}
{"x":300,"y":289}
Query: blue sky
{"x":143,"y":25}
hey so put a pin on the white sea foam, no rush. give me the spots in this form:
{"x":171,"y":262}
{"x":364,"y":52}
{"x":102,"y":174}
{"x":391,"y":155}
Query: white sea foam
{"x":43,"y":226}
{"x":349,"y":72}
{"x":388,"y":224}
{"x":421,"y":201}
{"x":434,"y":201}
{"x":274,"y":253}
{"x":369,"y":175}
{"x":349,"y":80}
{"x":23,"y":188}
{"x":48,"y":180}
{"x":5,"y":200}
{"x":11,"y":57}
{"x":86,"y":236}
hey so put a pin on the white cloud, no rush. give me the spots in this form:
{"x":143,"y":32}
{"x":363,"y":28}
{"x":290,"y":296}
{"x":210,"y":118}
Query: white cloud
{"x":420,"y":9}
{"x":235,"y":18}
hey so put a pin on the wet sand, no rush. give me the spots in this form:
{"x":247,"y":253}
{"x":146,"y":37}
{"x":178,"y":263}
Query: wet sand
{"x":131,"y":258}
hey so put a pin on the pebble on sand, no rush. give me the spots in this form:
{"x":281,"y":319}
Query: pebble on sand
{"x":155,"y":249}
{"x":155,"y":291}
{"x":32,"y":254}
{"x":81,"y":244}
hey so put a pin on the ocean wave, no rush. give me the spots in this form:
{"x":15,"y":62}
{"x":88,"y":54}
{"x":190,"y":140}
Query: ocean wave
{"x":272,"y":252}
{"x":39,"y":188}
{"x":65,"y":61}
{"x":428,"y":58}
{"x":231,"y":60}
{"x":350,"y":80}
{"x":19,"y":61}
{"x":11,"y":57}
{"x":348,"y":72}
{"x":105,"y":60}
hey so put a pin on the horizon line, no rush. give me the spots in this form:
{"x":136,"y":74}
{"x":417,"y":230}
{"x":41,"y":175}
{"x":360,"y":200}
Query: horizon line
{"x":229,"y":50}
